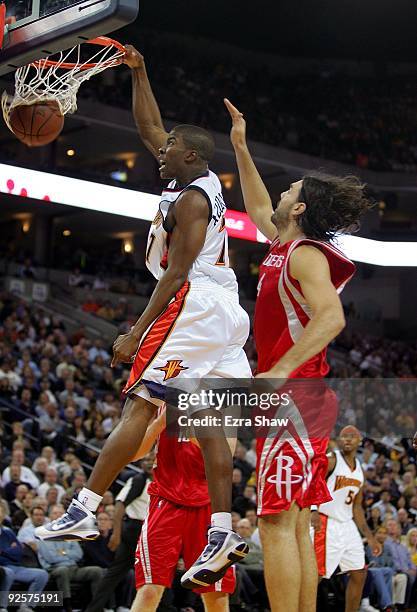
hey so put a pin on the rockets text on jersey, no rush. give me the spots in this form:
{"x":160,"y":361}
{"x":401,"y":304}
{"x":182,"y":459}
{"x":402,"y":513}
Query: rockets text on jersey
{"x":344,"y":484}
{"x":281,"y":312}
{"x":213,"y":260}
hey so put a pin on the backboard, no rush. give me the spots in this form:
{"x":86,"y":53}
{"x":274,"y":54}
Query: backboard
{"x":43,"y":27}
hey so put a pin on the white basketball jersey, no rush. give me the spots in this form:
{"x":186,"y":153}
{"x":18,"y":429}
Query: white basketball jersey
{"x":213,"y":260}
{"x":344,"y":484}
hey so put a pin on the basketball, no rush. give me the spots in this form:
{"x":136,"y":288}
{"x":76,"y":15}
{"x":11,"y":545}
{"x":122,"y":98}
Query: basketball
{"x":37,"y":125}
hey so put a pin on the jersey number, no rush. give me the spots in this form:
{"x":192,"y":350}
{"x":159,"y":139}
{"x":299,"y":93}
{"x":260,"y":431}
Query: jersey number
{"x":350,"y":497}
{"x":151,"y":241}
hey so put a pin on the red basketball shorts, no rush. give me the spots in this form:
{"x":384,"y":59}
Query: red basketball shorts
{"x":292,"y":446}
{"x":171,"y":532}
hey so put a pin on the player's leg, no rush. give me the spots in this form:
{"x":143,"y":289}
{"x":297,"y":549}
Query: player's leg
{"x":353,"y":561}
{"x":120,"y":448}
{"x":309,"y":575}
{"x":282,"y":559}
{"x":147,"y":598}
{"x":354,"y":590}
{"x":215,"y":602}
{"x":224,"y":546}
{"x":218,"y":463}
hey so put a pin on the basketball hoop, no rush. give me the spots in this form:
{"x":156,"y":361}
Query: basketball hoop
{"x":58,"y":80}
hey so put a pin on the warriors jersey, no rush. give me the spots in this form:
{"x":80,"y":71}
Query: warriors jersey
{"x":179,"y":473}
{"x":281,"y":313}
{"x":213,"y":260}
{"x":343,"y":484}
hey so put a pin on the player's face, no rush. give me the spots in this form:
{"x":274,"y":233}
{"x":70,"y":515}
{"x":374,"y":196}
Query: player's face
{"x":349,"y":441}
{"x":171,"y":157}
{"x":288,"y":201}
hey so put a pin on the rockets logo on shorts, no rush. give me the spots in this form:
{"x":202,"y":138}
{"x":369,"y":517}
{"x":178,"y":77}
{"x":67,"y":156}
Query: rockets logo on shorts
{"x":172,"y":368}
{"x":284,"y":477}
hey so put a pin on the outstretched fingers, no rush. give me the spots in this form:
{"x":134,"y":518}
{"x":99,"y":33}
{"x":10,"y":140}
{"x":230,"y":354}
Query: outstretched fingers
{"x":234,"y":112}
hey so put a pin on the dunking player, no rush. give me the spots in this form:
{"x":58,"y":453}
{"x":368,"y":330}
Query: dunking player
{"x":176,"y":523}
{"x":298,"y":312}
{"x":192,"y":327}
{"x":337,"y":523}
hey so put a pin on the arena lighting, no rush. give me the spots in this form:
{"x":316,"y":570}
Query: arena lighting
{"x":140,"y":205}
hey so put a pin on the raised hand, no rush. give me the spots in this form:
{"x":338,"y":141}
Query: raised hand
{"x":238,"y":131}
{"x":133,"y":58}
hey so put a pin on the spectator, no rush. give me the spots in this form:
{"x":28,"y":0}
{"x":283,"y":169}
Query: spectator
{"x":51,"y":480}
{"x":91,"y":305}
{"x":15,"y":476}
{"x":61,"y":559}
{"x":381,"y":569}
{"x":132,"y":500}
{"x":97,"y":350}
{"x":404,"y":521}
{"x":245,"y":502}
{"x":27,"y":270}
{"x":411,"y":544}
{"x":26,"y":534}
{"x":76,"y":279}
{"x":385,"y":506}
{"x":401,"y":559}
{"x":106,"y":311}
{"x":100,"y":284}
{"x":10,"y":561}
{"x":99,"y":552}
{"x":50,"y":424}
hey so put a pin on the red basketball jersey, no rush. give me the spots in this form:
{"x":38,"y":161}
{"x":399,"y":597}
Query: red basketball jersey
{"x":179,"y":473}
{"x":281,"y":313}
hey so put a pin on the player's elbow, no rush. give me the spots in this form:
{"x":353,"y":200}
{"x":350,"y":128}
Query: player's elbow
{"x":335,"y":321}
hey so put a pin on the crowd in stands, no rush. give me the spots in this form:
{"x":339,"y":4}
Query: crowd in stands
{"x":365,"y":121}
{"x":59,"y":402}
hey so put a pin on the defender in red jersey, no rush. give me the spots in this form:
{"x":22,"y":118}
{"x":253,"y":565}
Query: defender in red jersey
{"x":298,"y":313}
{"x":176,"y":522}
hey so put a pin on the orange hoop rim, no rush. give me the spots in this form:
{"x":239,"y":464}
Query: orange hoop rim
{"x":102,"y":41}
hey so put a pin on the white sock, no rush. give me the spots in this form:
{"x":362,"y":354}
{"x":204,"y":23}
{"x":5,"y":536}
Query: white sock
{"x":222,"y":519}
{"x":89,"y":499}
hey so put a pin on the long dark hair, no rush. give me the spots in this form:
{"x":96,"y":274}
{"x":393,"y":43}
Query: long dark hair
{"x":333,"y":204}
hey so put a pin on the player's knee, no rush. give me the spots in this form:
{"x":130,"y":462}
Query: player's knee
{"x":216,"y":602}
{"x":147,"y":598}
{"x":281,"y":525}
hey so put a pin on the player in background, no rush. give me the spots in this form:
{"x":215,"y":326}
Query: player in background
{"x":192,"y":328}
{"x":298,"y":312}
{"x":176,"y":522}
{"x":339,"y":522}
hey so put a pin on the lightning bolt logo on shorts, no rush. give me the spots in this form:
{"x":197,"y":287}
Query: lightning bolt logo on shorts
{"x":172,"y":368}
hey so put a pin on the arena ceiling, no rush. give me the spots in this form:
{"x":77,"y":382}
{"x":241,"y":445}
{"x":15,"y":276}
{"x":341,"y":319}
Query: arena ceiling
{"x":361,"y":29}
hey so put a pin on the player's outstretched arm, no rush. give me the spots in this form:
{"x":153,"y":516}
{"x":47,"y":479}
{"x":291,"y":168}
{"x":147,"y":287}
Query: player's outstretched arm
{"x":151,"y":436}
{"x":310,"y":267}
{"x":255,"y":195}
{"x":187,"y":240}
{"x":144,"y":106}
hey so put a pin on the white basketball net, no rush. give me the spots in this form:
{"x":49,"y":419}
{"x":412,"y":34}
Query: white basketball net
{"x":39,"y":82}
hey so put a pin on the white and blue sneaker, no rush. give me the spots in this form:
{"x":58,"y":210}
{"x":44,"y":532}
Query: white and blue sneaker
{"x":78,"y":523}
{"x":223,"y":549}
